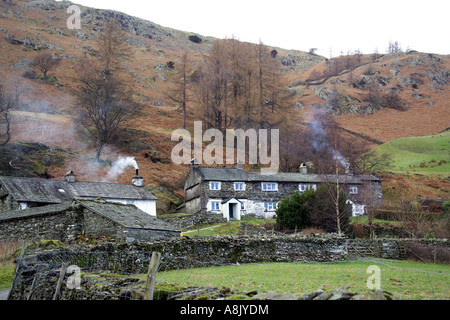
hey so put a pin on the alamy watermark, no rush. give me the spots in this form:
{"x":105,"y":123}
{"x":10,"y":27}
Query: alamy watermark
{"x":74,"y":281}
{"x":257,"y":141}
{"x":74,"y":20}
{"x":374,"y":280}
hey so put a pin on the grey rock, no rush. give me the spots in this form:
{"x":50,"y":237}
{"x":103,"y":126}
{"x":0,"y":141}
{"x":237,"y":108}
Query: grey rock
{"x":22,"y":64}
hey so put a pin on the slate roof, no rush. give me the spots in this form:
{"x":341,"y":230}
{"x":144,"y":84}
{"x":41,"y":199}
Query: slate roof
{"x":126,"y":215}
{"x":35,"y":211}
{"x":235,"y":174}
{"x":58,"y":191}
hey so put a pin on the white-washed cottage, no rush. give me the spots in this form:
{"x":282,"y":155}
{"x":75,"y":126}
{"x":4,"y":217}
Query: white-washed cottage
{"x":17,"y":193}
{"x":234,"y":192}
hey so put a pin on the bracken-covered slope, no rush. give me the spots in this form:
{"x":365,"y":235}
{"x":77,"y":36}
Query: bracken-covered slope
{"x":46,"y":110}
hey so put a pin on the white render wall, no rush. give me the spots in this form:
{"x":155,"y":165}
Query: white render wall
{"x":249,"y":207}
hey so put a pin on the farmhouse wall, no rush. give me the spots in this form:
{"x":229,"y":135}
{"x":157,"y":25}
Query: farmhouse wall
{"x":198,"y":192}
{"x":55,"y":226}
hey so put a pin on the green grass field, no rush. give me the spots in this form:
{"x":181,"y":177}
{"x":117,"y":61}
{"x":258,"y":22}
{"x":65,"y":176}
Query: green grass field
{"x":227,"y":228}
{"x":426,"y":155}
{"x":405,"y":279}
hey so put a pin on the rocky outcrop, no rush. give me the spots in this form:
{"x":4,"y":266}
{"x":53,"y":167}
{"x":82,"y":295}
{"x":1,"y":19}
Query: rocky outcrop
{"x":29,"y":159}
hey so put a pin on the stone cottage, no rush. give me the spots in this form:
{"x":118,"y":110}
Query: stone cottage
{"x":94,"y":218}
{"x":234,"y":192}
{"x":18,"y":193}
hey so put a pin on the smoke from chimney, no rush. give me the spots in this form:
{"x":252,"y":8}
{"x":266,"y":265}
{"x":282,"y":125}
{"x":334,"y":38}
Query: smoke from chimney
{"x":320,"y":140}
{"x":119,"y":166}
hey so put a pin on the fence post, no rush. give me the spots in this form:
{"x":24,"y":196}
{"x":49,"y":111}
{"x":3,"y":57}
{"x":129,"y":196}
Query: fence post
{"x":62,"y":273}
{"x":151,"y":275}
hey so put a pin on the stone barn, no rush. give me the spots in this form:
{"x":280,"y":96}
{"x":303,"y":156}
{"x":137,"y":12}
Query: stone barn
{"x":93,"y":218}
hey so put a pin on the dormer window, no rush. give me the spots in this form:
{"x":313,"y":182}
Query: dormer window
{"x":214,"y":185}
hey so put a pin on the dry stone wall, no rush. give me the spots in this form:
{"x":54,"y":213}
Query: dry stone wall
{"x":134,"y":258}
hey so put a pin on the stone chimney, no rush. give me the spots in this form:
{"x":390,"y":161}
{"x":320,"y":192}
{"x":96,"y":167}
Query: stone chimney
{"x":70,"y":176}
{"x":303,"y":168}
{"x":137,"y":180}
{"x":194,"y":163}
{"x":239,"y":165}
{"x":349,"y":170}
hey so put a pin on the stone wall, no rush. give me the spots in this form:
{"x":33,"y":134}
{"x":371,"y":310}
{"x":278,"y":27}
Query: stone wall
{"x":134,"y":258}
{"x":183,"y":222}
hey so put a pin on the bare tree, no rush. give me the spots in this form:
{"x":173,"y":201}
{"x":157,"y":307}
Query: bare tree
{"x":104,"y":96}
{"x":44,"y":62}
{"x":394,"y":48}
{"x":6,"y":105}
{"x":371,"y":161}
{"x":413,"y":220}
{"x":371,"y":202}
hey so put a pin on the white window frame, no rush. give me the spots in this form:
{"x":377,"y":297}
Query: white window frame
{"x":214,"y":203}
{"x":274,"y":186}
{"x":307,"y":186}
{"x":212,"y":183}
{"x":270,"y":206}
{"x":353,"y":189}
{"x":239,"y":184}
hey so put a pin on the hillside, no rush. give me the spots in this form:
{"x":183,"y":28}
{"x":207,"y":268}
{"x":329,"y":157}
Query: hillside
{"x":426,"y":155}
{"x":420,"y":80}
{"x":46,"y":110}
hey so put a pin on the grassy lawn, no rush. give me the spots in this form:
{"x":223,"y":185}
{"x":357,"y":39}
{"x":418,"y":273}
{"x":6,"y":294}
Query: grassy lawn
{"x":227,"y":228}
{"x":6,"y":275}
{"x":8,"y":253}
{"x":405,"y":279}
{"x":426,"y":155}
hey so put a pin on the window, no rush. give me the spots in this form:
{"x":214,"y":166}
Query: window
{"x":305,"y":186}
{"x":239,"y":186}
{"x":270,"y":206}
{"x":215,"y":205}
{"x":269,"y":186}
{"x":353,"y":190}
{"x":214,"y":186}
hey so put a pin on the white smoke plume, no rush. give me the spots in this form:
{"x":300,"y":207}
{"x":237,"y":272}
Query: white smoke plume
{"x":320,"y":140}
{"x":119,"y":166}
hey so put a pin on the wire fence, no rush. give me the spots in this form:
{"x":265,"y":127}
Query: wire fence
{"x":123,"y":275}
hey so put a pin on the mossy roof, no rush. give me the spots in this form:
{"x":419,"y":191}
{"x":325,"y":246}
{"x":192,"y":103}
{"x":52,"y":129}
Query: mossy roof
{"x":59,"y":191}
{"x":240,"y":175}
{"x":126,"y":215}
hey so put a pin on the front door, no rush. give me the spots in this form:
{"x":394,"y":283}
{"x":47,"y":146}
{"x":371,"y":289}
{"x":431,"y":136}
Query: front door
{"x":230,"y":210}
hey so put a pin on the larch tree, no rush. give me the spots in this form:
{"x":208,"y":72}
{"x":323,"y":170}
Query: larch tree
{"x":178,"y":89}
{"x":242,"y":85}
